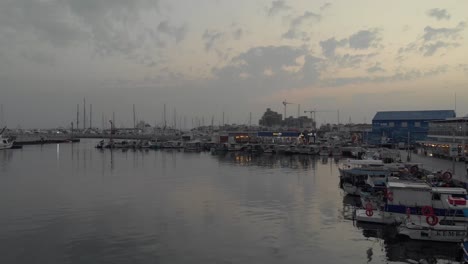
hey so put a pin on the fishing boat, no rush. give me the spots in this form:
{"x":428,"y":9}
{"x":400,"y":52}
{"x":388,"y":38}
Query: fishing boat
{"x":429,"y":228}
{"x":405,"y":199}
{"x":359,"y":175}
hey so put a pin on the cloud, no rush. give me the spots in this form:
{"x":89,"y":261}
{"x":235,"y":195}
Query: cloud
{"x":178,"y":33}
{"x":408,"y":75}
{"x":325,"y":6}
{"x":364,"y":39}
{"x":351,"y":60}
{"x":435,"y":39}
{"x":295,"y":24}
{"x":270,"y":68}
{"x":431,"y":33}
{"x":277,"y":7}
{"x":237,"y":34}
{"x":375,"y":68}
{"x":438,"y":13}
{"x":211,"y":37}
{"x":329,"y":46}
{"x":430,"y":49}
{"x":108,"y":27}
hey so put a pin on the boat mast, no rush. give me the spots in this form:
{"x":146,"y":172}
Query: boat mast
{"x":90,"y":115}
{"x":134,"y":121}
{"x":84,"y":113}
{"x":77,"y":116}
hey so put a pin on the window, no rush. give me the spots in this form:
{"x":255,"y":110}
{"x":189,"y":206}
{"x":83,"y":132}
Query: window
{"x":417,"y":124}
{"x":383,"y":124}
{"x":404,"y":124}
{"x":391,"y":124}
{"x":436,"y":196}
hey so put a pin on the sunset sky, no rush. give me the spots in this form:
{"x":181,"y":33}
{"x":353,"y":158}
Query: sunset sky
{"x":206,"y":57}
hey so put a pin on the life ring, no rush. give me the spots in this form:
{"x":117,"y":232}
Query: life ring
{"x":432,"y":220}
{"x":369,"y":213}
{"x":369,"y":207}
{"x":408,"y":212}
{"x":414,"y":169}
{"x":447,"y":175}
{"x":427,"y":211}
{"x":389,"y":195}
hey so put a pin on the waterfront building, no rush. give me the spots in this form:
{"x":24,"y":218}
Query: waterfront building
{"x":447,"y":138}
{"x":393,"y":127}
{"x":271,"y":119}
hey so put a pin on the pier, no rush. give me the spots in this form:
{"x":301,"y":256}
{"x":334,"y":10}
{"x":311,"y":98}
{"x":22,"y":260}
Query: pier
{"x":458,"y":168}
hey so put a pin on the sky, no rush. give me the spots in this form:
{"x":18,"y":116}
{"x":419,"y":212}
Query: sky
{"x":345,"y":59}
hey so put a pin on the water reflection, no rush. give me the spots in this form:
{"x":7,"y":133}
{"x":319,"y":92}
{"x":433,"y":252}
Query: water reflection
{"x":170,"y":206}
{"x":302,"y":162}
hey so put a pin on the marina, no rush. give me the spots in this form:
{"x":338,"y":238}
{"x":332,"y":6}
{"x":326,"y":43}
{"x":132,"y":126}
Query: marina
{"x":321,"y":210}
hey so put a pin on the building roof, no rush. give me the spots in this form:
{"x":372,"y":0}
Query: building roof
{"x":414,"y":115}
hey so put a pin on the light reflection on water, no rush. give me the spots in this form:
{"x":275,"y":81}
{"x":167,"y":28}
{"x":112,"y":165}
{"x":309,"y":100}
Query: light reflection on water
{"x":76,"y":204}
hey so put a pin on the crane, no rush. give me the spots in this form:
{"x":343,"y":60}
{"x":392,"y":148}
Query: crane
{"x":285,"y":103}
{"x":312,"y":112}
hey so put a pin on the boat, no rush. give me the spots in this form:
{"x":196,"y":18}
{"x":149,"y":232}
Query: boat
{"x":414,"y":198}
{"x":324,"y":150}
{"x":336,"y":151}
{"x":194,"y":145}
{"x":269,"y":148}
{"x":172,"y":144}
{"x":234,"y":147}
{"x":292,"y":149}
{"x":5,"y":143}
{"x":401,"y":199}
{"x":356,"y":175}
{"x":431,"y":229}
{"x":375,"y":216}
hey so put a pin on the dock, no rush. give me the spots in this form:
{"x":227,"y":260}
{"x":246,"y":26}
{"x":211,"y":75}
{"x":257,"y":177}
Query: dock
{"x":439,"y":164}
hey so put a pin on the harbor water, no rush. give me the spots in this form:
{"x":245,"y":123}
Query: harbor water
{"x":72,"y":203}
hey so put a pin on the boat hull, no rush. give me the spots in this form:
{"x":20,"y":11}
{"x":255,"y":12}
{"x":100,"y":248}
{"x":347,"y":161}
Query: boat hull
{"x":436,"y":233}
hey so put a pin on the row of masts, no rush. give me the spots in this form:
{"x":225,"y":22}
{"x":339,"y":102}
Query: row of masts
{"x":196,"y":122}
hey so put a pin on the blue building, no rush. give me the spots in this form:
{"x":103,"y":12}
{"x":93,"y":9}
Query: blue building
{"x":395,"y":126}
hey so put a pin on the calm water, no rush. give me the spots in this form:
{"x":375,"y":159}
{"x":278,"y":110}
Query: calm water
{"x":71,"y":203}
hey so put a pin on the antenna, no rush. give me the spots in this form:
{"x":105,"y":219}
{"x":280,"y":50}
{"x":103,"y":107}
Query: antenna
{"x":455,"y":104}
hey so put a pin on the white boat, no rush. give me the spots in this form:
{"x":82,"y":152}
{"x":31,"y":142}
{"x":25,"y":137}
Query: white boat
{"x":5,"y":143}
{"x":375,"y":216}
{"x":411,"y":197}
{"x":429,"y":228}
{"x":354,"y":180}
